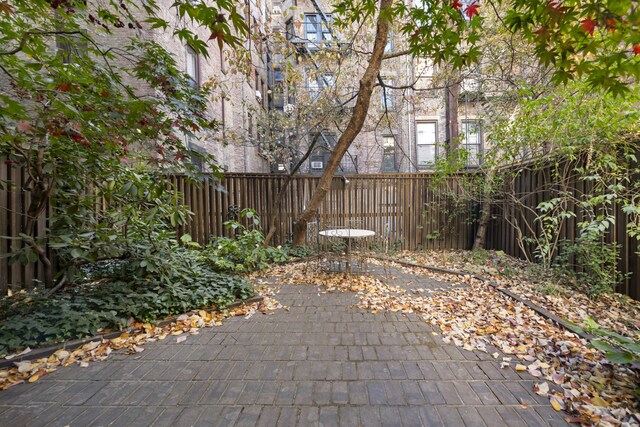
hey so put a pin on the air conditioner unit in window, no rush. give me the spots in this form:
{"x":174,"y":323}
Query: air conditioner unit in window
{"x":317,"y":165}
{"x":276,"y":10}
{"x":259,"y":95}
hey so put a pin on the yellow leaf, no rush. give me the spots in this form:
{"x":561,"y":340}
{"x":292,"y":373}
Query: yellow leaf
{"x":520,"y":367}
{"x":35,"y":377}
{"x":598,"y":401}
{"x":555,"y":403}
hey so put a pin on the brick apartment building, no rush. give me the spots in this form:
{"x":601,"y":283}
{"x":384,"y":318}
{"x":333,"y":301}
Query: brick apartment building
{"x":406,"y":129}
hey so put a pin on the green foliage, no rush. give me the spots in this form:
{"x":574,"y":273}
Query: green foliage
{"x":112,"y":293}
{"x":245,"y":251}
{"x":598,"y":41}
{"x":552,"y":289}
{"x":617,"y":348}
{"x":595,"y":40}
{"x":76,"y":120}
{"x":298,"y":251}
{"x":595,"y":263}
{"x":585,"y":141}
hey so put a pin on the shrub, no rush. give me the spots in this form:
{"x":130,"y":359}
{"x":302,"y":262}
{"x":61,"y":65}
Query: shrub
{"x":171,"y":282}
{"x":595,"y":263}
{"x":245,"y":251}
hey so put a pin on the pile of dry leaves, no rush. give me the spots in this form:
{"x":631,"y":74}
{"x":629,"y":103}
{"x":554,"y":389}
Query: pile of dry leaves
{"x":615,"y":312}
{"x":131,"y":341}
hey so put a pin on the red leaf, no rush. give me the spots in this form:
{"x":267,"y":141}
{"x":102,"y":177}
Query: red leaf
{"x":611,"y":24}
{"x":636,"y":49}
{"x":472,"y":10}
{"x":457,"y":5}
{"x":588,"y":25}
{"x":556,"y":6}
{"x":64,"y":87}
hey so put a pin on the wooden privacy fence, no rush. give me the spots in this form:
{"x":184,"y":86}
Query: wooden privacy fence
{"x":514,"y":223}
{"x":406,"y":211}
{"x":14,"y":202}
{"x":403,"y":209}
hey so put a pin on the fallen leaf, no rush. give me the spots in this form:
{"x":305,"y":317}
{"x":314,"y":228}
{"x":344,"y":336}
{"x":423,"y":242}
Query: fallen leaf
{"x":557,"y":403}
{"x":24,"y":366}
{"x":541,"y":389}
{"x":35,"y":377}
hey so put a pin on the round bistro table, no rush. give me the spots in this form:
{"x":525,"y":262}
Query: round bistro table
{"x":347,"y":234}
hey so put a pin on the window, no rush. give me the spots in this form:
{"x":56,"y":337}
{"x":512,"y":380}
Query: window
{"x":427,"y":144}
{"x":315,"y":29}
{"x":278,"y":89}
{"x":471,"y":85}
{"x":388,"y":153}
{"x":389,"y":46}
{"x":424,"y":67}
{"x":196,"y":154}
{"x":223,"y":65}
{"x":386,"y":97}
{"x":192,"y":67}
{"x":315,"y":84}
{"x":471,"y":131}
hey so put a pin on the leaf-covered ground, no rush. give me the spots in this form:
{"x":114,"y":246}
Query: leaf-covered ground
{"x":615,"y":312}
{"x":131,"y":342}
{"x":475,"y":316}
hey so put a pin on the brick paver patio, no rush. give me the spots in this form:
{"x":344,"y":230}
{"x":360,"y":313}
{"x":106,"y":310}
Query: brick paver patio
{"x":322,"y":362}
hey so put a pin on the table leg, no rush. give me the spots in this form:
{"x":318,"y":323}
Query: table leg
{"x":348,"y":255}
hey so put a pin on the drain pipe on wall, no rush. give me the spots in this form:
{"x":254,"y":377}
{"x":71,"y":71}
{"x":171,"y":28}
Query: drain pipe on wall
{"x":409,"y":114}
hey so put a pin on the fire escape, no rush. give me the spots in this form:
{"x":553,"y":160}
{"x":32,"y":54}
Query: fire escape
{"x":306,"y":48}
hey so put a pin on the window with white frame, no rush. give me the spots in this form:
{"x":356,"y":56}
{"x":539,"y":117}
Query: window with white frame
{"x":426,"y":144}
{"x":191,"y":67}
{"x":316,"y":83}
{"x":471,"y":131}
{"x":471,"y":84}
{"x":386,"y":95}
{"x":388,"y":48}
{"x":424,"y":67}
{"x":316,"y":29}
{"x":388,"y":153}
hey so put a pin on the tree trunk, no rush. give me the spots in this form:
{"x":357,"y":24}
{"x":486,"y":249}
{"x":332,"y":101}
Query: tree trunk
{"x":277,"y":202}
{"x":452,"y":108}
{"x":367,"y":83}
{"x":485,"y":215}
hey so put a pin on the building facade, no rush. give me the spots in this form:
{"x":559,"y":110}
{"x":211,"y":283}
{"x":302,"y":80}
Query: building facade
{"x":418,"y":114}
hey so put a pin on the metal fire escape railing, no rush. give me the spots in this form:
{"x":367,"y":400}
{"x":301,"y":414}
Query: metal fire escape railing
{"x":304,"y":44}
